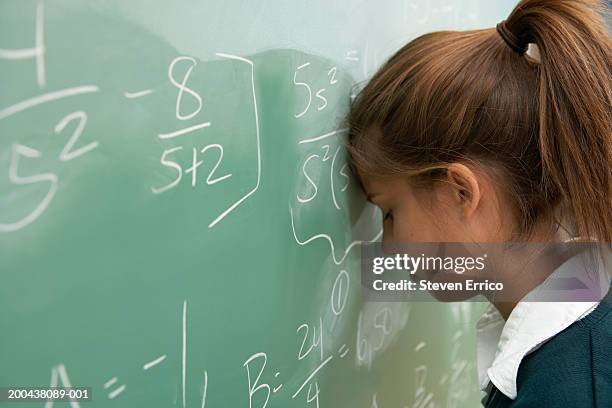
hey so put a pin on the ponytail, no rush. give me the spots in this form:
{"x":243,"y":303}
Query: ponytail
{"x":575,"y":105}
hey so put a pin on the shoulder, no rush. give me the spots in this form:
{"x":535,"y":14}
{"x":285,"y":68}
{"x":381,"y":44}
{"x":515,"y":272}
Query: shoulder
{"x":573,"y":368}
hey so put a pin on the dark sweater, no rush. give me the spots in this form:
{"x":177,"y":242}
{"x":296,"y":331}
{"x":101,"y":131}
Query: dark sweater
{"x":573,"y":369}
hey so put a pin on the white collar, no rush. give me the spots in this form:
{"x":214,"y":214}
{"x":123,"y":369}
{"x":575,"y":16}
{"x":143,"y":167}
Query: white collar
{"x":502,"y":345}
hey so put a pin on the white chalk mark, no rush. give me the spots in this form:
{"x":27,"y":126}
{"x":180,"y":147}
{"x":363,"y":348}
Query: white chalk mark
{"x":321,"y":137}
{"x":51,"y":178}
{"x":67,"y":153}
{"x":110,"y":382}
{"x":17,"y":54}
{"x":205,"y":389}
{"x":326,"y":154}
{"x":344,"y":174}
{"x":331,"y":178}
{"x":321,"y":348}
{"x":40,"y":45}
{"x":116,"y":392}
{"x":138,"y":94}
{"x":458,"y":370}
{"x":184,"y":356}
{"x":182,"y":88}
{"x":209,"y":180}
{"x":351,"y":55}
{"x":419,"y":346}
{"x":305,"y":85}
{"x":60,"y":371}
{"x":48,"y":97}
{"x":333,"y":79}
{"x":184,"y":131}
{"x":153,"y":363}
{"x":193,"y":169}
{"x":339,"y":296}
{"x":331,"y":243}
{"x":38,"y":52}
{"x":247,"y":195}
{"x":312,"y":183}
{"x":252,"y":389}
{"x":172,"y":164}
{"x":374,"y":402}
{"x":310,"y":377}
{"x":427,"y":400}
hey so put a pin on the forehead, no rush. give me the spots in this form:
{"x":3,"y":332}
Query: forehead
{"x":376,"y":185}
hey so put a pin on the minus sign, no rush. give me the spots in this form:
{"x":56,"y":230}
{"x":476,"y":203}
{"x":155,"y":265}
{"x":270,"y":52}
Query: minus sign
{"x":138,"y":94}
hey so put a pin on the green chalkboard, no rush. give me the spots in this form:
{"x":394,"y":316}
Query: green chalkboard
{"x":177,"y":222}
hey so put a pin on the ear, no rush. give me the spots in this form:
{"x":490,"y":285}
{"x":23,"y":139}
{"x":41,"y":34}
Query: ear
{"x":466,"y":190}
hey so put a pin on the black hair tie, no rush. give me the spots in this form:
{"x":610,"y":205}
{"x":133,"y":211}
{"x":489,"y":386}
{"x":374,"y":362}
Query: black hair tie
{"x":511,"y":39}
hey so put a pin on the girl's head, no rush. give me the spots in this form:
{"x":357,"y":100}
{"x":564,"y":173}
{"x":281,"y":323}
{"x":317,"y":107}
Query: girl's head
{"x":461,"y":136}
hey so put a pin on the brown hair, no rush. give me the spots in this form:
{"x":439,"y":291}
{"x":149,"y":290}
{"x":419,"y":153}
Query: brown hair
{"x":467,"y":96}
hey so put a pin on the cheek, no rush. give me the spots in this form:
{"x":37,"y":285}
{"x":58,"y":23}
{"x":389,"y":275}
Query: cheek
{"x":415,"y":226}
{"x":415,"y":223}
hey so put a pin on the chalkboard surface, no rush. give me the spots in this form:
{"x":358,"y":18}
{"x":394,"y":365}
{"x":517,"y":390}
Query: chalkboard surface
{"x":177,"y":222}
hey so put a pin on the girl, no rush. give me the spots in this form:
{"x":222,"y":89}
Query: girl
{"x":501,"y":135}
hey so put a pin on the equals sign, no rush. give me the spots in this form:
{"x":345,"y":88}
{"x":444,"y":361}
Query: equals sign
{"x":116,"y":391}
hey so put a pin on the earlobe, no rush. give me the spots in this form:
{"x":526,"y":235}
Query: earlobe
{"x":466,"y":187}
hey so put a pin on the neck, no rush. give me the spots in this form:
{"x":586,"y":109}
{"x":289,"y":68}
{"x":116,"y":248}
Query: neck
{"x":526,"y":268}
